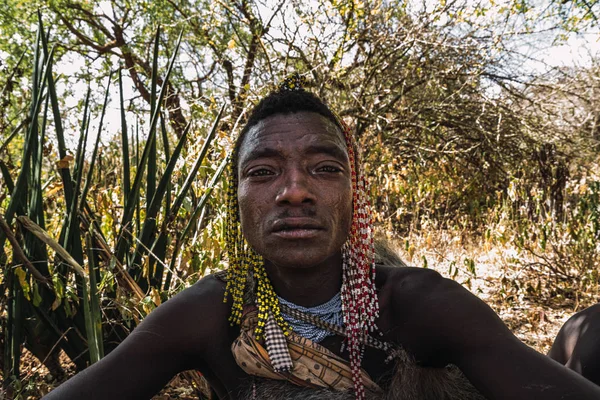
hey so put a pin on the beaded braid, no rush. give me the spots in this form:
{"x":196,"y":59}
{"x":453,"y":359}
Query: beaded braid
{"x":242,"y":261}
{"x":360,"y":307}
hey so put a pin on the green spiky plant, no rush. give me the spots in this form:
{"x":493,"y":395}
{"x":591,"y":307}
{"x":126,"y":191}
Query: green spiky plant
{"x":67,"y":283}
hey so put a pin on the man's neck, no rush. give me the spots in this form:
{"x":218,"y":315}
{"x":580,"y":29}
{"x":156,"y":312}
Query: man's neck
{"x":307,"y":287}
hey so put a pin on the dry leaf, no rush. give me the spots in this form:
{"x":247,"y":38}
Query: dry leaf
{"x":64,"y":162}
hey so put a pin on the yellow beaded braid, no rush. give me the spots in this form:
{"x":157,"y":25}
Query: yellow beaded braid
{"x":243,"y":260}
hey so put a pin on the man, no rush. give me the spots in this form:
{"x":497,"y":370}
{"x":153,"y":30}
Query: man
{"x":308,"y":315}
{"x":577,"y":344}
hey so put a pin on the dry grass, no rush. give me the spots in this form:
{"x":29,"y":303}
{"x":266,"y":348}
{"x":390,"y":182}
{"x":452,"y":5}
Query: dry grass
{"x":532,"y":304}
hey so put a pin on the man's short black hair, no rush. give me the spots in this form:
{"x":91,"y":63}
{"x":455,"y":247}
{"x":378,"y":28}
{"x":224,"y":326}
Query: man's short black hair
{"x":284,"y":102}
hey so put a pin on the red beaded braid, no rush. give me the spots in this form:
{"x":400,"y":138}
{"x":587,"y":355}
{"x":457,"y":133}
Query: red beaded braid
{"x":360,"y":306}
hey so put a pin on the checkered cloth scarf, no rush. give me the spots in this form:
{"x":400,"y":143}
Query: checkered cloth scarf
{"x":292,"y":358}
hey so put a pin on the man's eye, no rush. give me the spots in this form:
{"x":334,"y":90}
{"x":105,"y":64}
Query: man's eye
{"x":328,"y":168}
{"x":260,"y":172}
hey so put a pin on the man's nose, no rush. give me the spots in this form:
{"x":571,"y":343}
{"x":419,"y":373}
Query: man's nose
{"x":296,"y":189}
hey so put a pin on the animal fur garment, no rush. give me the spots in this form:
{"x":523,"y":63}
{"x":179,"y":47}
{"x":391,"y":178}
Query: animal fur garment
{"x":409,"y":382}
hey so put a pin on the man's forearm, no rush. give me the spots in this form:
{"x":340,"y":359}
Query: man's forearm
{"x":517,"y":372}
{"x":114,"y":378}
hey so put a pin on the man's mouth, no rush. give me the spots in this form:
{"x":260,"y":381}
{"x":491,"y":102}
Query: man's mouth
{"x":296,"y":228}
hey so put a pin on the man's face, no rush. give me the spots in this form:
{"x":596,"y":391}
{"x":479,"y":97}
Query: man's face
{"x":295,"y":189}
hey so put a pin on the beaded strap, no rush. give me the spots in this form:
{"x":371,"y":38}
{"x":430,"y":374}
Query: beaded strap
{"x":330,"y":312}
{"x":339,"y":330}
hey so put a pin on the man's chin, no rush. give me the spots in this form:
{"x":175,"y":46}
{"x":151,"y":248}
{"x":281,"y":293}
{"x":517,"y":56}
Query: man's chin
{"x":293,"y":258}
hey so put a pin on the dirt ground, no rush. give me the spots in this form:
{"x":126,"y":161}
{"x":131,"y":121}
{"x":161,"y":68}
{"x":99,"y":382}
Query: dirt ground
{"x":525,"y":300}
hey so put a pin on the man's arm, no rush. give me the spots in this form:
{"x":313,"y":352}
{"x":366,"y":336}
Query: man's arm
{"x":168,"y":341}
{"x":577,"y":345}
{"x":441,"y":322}
{"x":515,"y":371}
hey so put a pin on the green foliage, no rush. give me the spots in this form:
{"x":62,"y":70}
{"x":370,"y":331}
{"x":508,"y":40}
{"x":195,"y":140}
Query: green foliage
{"x":75,"y":309}
{"x":567,"y":246}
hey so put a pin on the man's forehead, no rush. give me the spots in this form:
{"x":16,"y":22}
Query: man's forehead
{"x":307,"y":127}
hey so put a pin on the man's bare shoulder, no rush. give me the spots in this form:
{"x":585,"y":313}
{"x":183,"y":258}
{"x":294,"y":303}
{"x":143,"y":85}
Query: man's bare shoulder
{"x":393,"y":274}
{"x":197,"y":312}
{"x":410,"y":279}
{"x":424,"y":289}
{"x":209,"y":288}
{"x":204,"y":300}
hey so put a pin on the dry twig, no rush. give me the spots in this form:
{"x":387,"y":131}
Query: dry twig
{"x":18,"y":253}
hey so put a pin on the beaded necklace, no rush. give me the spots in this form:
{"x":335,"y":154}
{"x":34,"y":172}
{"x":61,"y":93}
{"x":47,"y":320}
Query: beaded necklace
{"x":330,"y":312}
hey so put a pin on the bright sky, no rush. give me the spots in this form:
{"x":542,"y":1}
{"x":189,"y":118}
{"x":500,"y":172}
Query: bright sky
{"x":578,"y":50}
